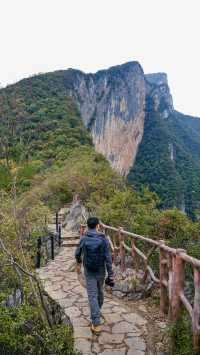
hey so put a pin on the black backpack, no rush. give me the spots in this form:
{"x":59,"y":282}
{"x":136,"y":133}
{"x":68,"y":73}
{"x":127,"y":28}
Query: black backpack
{"x":93,"y":252}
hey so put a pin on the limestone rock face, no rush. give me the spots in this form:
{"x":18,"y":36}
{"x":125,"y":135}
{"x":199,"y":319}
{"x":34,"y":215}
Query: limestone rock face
{"x":112,"y":105}
{"x":158,"y":96}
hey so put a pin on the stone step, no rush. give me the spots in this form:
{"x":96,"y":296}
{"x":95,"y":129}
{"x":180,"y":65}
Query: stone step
{"x":69,"y":244}
{"x":72,"y":237}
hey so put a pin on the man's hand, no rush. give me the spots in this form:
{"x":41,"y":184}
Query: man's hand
{"x":78,"y":268}
{"x":110,"y":281}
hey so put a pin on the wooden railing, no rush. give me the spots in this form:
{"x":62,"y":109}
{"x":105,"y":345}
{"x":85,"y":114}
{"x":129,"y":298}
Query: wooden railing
{"x":171,"y":273}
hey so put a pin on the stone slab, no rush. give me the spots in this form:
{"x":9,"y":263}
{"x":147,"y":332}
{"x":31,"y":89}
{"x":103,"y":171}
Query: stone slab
{"x":114,"y":352}
{"x":107,"y":338}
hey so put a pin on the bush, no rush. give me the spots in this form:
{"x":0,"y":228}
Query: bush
{"x":22,"y":332}
{"x":181,"y":337}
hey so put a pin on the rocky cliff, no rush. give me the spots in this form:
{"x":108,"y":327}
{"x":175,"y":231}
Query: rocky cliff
{"x":112,"y":105}
{"x":158,"y":96}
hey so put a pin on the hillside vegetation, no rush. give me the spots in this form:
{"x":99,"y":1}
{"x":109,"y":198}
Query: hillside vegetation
{"x":168,"y":161}
{"x":38,"y":124}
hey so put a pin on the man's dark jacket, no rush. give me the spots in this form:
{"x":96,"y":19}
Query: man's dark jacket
{"x":105,"y":255}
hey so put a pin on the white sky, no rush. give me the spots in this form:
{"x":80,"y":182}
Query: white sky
{"x":46,"y":35}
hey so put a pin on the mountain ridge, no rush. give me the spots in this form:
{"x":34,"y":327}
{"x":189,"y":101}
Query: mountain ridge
{"x":119,"y":106}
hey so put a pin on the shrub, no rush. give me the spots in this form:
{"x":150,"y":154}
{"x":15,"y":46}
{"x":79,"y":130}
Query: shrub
{"x":22,"y":332}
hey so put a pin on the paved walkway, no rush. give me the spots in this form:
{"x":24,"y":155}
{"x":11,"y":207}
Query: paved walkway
{"x":123,"y":330}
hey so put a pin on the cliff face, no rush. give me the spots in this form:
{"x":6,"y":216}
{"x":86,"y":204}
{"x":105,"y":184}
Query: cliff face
{"x":158,"y":97}
{"x":112,"y":105}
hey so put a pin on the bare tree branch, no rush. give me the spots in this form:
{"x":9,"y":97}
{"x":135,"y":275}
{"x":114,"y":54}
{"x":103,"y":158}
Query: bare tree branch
{"x":29,"y":274}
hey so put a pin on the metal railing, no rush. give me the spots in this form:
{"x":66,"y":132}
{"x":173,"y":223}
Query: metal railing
{"x":47,"y":245}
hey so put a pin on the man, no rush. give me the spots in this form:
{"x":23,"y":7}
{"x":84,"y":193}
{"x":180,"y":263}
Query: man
{"x":94,"y":247}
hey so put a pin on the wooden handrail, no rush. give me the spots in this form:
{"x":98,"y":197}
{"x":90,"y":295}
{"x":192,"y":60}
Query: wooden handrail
{"x":193,"y":261}
{"x":171,"y":272}
{"x":172,"y":276}
{"x":136,"y":236}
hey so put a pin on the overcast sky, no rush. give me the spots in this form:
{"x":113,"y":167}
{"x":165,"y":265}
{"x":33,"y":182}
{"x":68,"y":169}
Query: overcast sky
{"x":46,"y":35}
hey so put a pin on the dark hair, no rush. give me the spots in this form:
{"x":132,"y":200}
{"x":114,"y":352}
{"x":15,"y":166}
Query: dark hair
{"x":92,"y":222}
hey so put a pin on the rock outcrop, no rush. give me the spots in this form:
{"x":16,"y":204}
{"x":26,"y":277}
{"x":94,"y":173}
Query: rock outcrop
{"x":158,"y":96}
{"x":112,"y":105}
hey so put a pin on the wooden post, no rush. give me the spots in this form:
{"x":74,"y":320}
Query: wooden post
{"x":115,"y":253}
{"x":177,"y":286}
{"x":196,"y":313}
{"x":170,"y":275}
{"x":38,"y":258}
{"x":115,"y":256}
{"x":145,"y":271}
{"x":82,"y":229}
{"x":134,"y":255}
{"x":122,"y":250}
{"x":59,"y":235}
{"x":164,"y":301}
{"x":52,"y":247}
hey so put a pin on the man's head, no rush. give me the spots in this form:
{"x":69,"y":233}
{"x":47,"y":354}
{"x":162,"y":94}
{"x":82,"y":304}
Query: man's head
{"x":92,"y":222}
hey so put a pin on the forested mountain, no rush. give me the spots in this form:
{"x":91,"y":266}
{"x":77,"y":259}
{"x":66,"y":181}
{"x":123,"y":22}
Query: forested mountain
{"x":131,"y":120}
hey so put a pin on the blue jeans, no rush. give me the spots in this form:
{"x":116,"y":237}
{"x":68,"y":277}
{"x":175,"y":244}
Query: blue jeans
{"x":94,"y":285}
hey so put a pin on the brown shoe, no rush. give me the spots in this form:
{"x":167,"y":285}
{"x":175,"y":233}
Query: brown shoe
{"x":96,"y":329}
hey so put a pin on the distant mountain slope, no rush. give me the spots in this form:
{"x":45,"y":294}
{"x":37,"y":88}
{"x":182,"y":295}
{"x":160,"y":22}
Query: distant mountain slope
{"x":168,"y":161}
{"x":39,"y":126}
{"x":38,"y":119}
{"x":190,"y":131}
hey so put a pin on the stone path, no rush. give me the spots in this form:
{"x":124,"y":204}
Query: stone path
{"x":123,"y":330}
